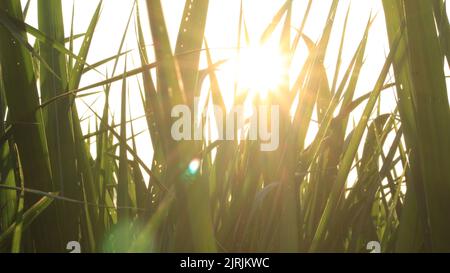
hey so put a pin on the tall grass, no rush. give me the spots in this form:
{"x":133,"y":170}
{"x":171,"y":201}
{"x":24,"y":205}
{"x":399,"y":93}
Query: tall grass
{"x":336,"y":193}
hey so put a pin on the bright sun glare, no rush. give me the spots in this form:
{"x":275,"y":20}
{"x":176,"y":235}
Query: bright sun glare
{"x":259,"y":69}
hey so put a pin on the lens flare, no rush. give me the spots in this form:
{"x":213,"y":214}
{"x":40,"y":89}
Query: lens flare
{"x":194,"y":166}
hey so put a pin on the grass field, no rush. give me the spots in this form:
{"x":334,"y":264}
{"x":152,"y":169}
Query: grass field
{"x":365,"y":175}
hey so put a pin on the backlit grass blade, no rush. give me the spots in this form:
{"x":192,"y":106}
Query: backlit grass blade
{"x":411,"y":231}
{"x":57,"y":117}
{"x":22,"y":98}
{"x":122,"y":190}
{"x":442,"y":22}
{"x":190,"y":39}
{"x":350,"y":152}
{"x":29,"y":217}
{"x":433,"y":120}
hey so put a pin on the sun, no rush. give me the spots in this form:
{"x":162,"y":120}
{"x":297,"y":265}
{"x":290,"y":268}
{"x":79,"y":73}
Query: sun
{"x":259,"y":69}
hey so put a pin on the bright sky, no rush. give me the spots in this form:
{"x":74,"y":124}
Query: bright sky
{"x":221,"y":33}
